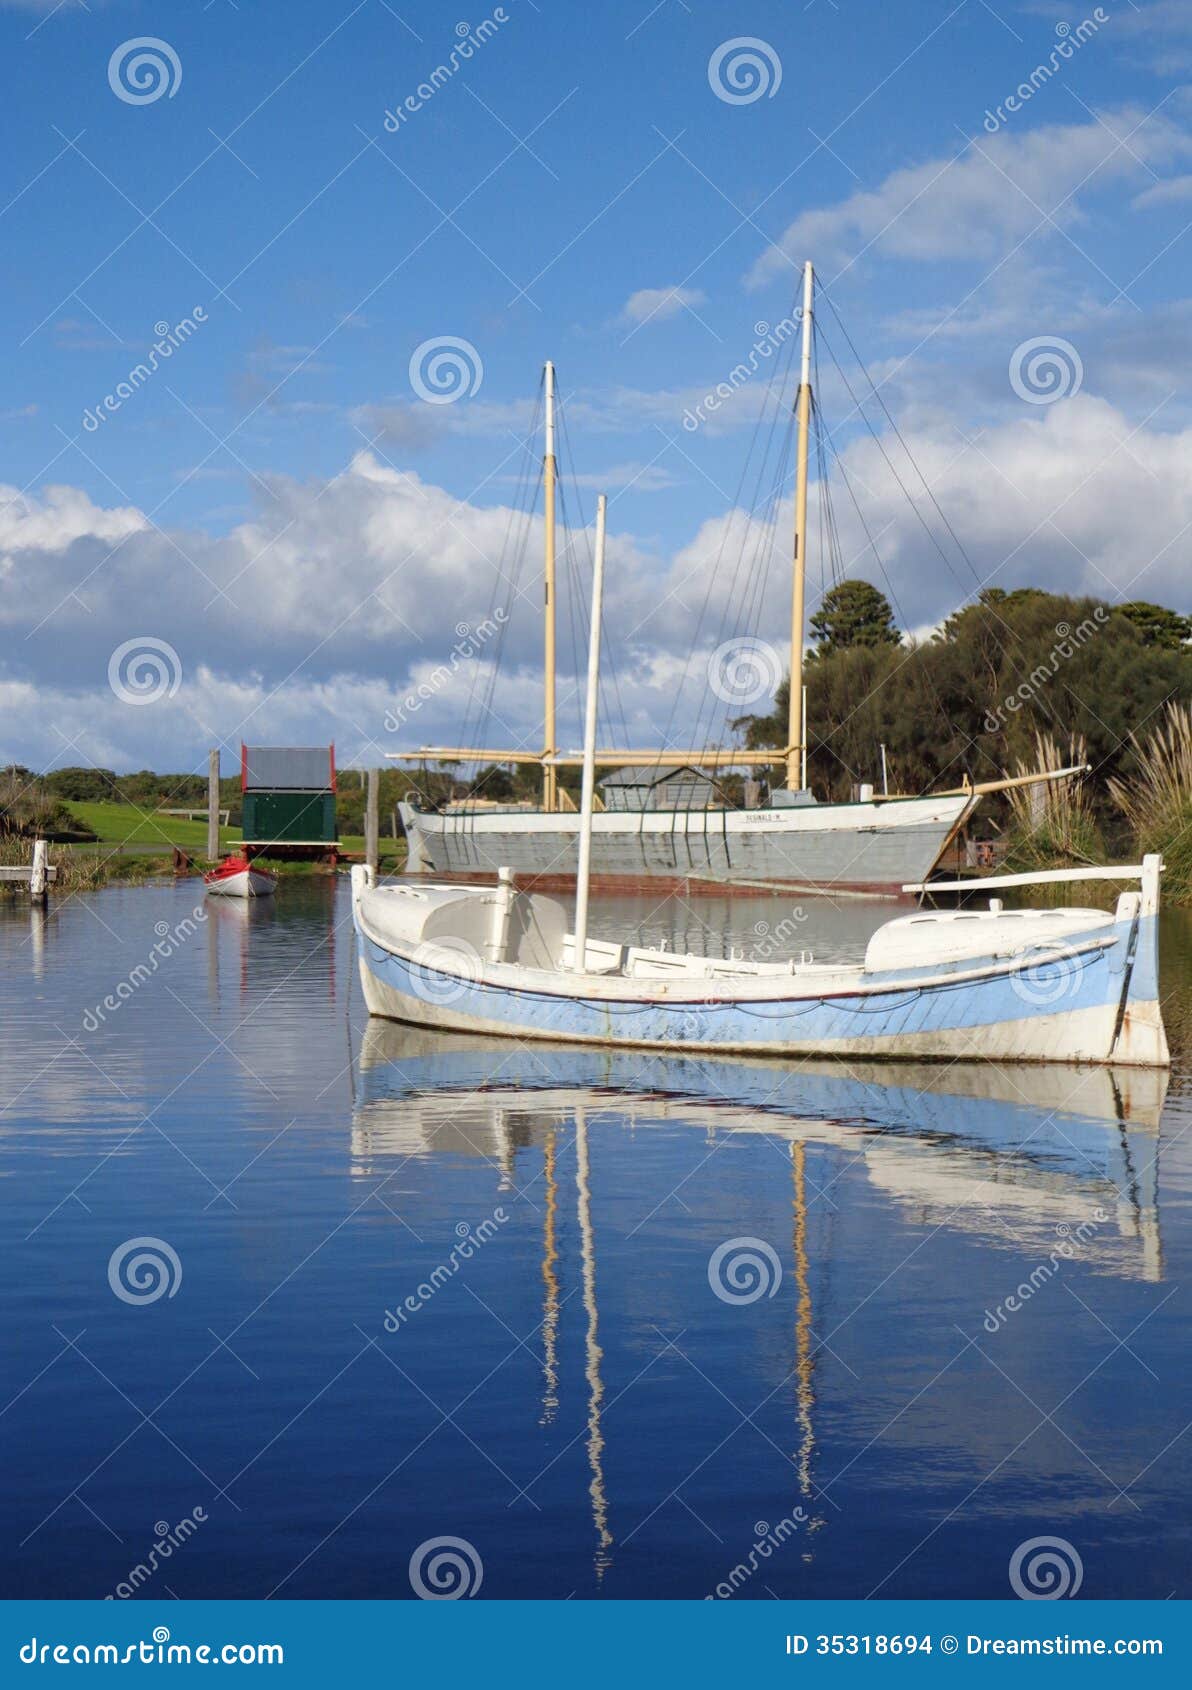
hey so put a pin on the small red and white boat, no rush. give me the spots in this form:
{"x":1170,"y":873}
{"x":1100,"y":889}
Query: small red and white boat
{"x":237,"y":877}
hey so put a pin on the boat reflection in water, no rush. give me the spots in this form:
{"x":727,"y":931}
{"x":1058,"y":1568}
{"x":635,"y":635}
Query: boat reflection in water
{"x":1015,"y":1158}
{"x":931,"y":1136}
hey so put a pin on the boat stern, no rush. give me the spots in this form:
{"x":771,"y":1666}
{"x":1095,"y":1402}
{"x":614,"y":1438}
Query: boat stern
{"x":1140,"y":1038}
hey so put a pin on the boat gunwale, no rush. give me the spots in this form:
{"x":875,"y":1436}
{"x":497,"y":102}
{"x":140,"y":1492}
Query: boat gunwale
{"x":878,"y":804}
{"x":894,"y":985}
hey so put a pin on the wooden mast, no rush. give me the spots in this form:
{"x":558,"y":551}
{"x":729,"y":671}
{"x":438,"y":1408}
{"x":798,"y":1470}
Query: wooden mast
{"x":550,"y":774}
{"x":795,"y":733}
{"x":588,"y":791}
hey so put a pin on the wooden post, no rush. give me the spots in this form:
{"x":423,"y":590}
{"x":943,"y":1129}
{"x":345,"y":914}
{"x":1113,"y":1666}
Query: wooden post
{"x":372,"y":832}
{"x":38,"y":878}
{"x":213,"y":806}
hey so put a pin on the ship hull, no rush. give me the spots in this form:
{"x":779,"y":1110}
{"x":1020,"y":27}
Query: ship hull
{"x":863,"y":847}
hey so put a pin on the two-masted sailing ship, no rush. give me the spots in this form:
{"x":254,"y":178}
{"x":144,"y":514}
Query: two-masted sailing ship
{"x":876,"y":843}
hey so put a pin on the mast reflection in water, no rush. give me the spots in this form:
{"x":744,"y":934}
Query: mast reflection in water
{"x":439,"y":1289}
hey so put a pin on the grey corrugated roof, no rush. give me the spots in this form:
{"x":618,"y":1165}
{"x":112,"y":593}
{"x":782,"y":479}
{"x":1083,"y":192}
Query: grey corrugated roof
{"x":652,"y":776}
{"x":287,"y":768}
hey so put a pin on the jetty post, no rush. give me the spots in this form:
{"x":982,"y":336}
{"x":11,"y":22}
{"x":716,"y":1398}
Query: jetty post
{"x":39,"y":878}
{"x":213,"y":805}
{"x":372,"y":831}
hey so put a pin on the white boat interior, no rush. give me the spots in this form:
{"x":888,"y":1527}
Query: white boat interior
{"x":500,"y":925}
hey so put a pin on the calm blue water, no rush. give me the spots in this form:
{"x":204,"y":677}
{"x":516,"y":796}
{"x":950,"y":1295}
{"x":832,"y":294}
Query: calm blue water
{"x":428,"y":1288}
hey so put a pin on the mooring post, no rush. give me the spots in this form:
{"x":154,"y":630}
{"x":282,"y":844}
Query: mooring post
{"x":38,"y":879}
{"x":213,"y":805}
{"x":372,"y":829}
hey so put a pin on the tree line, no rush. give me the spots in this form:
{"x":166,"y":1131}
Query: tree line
{"x":972,"y":699}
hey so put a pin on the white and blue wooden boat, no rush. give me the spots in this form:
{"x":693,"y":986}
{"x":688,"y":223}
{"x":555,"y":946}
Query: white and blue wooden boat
{"x":1035,"y":985}
{"x":1042,"y":985}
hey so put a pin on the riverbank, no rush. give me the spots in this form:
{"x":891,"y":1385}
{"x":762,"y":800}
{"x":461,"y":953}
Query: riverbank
{"x":89,"y":866}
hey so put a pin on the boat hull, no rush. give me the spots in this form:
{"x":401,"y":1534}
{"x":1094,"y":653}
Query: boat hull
{"x":246,"y":883}
{"x":865,"y":847}
{"x":1096,"y":1001}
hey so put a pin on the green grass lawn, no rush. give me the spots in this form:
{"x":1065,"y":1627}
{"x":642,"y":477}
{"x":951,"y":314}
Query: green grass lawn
{"x":125,"y":824}
{"x":156,"y":834}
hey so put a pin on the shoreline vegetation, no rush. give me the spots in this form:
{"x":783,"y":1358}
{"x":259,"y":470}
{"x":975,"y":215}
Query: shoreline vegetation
{"x":1011,"y":682}
{"x":120,"y":841}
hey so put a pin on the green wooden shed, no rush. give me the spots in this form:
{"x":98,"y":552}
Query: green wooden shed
{"x":288,"y":799}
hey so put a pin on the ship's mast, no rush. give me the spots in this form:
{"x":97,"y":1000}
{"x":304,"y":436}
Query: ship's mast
{"x":796,"y":723}
{"x":550,"y":774}
{"x":588,"y":789}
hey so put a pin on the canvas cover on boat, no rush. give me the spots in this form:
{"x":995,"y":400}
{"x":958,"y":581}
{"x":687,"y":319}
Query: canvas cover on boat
{"x":937,"y":936}
{"x":460,"y":918}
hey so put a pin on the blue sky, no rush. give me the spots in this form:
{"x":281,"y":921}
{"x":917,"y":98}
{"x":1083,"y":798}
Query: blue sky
{"x":279,"y":508}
